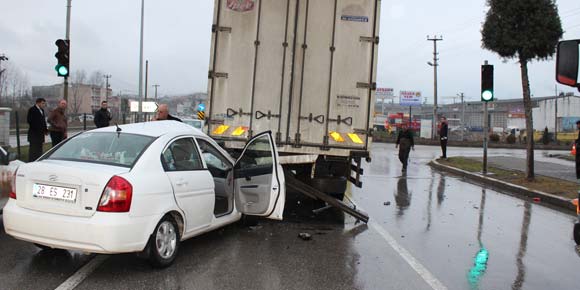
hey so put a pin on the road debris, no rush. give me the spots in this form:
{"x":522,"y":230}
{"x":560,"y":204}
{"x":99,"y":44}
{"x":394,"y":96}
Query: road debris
{"x":305,"y":236}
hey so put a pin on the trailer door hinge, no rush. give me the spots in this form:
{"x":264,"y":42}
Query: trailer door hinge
{"x":212,"y":74}
{"x":215,"y":28}
{"x":363,"y":85}
{"x":375,"y":39}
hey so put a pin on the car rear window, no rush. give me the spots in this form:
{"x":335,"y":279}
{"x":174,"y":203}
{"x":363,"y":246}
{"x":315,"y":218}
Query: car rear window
{"x":103,"y":147}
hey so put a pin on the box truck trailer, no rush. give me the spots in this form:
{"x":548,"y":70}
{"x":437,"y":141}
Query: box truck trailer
{"x":304,"y":70}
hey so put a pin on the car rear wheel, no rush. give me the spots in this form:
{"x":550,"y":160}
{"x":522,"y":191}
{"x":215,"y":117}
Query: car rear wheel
{"x":164,"y":243}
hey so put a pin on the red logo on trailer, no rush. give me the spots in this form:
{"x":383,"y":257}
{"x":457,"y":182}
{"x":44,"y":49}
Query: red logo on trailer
{"x":241,"y":5}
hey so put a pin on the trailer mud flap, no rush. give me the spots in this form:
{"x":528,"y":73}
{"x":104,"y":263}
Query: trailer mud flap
{"x":299,"y":186}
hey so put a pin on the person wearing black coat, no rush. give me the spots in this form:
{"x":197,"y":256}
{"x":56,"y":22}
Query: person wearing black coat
{"x":37,"y":129}
{"x":443,"y":136}
{"x":405,"y":143}
{"x":102,"y":116}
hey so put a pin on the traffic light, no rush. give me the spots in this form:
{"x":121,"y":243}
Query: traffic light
{"x":63,"y":57}
{"x":487,"y":83}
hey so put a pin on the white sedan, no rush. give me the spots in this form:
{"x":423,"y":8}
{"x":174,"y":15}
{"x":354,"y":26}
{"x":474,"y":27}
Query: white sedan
{"x":141,"y":188}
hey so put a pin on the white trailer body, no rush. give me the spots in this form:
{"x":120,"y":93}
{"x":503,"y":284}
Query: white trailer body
{"x":303,"y":69}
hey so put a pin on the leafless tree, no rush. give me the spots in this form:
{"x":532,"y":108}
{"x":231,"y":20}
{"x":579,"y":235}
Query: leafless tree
{"x":97,"y":79}
{"x":78,"y":79}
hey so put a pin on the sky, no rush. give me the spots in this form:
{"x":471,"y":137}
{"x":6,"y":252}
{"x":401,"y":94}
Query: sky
{"x":105,"y":37}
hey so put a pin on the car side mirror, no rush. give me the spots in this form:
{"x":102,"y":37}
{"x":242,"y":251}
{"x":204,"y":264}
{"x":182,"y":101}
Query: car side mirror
{"x":567,"y":63}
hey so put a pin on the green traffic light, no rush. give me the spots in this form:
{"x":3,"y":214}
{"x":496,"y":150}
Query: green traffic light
{"x":61,"y":70}
{"x":487,"y":96}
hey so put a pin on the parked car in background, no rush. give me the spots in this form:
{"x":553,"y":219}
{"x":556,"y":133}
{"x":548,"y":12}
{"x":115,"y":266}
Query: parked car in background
{"x":141,"y":188}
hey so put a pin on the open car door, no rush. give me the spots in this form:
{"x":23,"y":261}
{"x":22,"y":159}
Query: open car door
{"x":259,"y":185}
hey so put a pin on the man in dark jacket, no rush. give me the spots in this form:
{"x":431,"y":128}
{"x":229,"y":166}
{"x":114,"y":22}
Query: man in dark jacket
{"x":443,"y":136}
{"x":406,"y":142}
{"x":58,"y":123}
{"x":102,"y":116}
{"x":163,"y":114}
{"x":36,"y":129}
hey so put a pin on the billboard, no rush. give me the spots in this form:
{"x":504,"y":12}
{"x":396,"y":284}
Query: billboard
{"x":385,"y":93}
{"x":410,"y":98}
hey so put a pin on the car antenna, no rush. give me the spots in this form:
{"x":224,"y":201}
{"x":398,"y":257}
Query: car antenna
{"x":118,"y":130}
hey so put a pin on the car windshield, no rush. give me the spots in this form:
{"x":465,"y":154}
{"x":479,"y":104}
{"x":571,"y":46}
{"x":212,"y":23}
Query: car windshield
{"x":103,"y":147}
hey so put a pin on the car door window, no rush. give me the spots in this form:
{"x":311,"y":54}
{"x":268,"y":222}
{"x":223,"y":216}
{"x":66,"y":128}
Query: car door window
{"x":217,"y":164}
{"x":181,"y":155}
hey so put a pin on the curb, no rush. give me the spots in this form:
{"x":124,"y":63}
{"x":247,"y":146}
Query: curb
{"x":519,"y":191}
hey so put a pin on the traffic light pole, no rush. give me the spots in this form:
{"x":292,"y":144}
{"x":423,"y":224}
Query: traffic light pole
{"x":67,"y":37}
{"x":485,"y":137}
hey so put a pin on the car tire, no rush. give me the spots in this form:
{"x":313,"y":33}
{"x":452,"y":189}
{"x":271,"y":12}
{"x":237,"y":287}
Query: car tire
{"x":164,"y":243}
{"x":577,"y":233}
{"x":42,"y":247}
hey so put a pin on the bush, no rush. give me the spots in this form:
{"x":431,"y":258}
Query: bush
{"x":494,"y":138}
{"x":511,"y":139}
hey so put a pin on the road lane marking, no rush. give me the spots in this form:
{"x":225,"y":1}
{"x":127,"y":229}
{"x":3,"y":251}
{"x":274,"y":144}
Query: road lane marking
{"x":414,"y":263}
{"x":79,"y":276}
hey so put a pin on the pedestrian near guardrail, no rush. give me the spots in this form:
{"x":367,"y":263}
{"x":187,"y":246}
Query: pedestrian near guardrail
{"x":37,"y":129}
{"x":58,"y":123}
{"x":102,"y":116}
{"x":443,"y":136}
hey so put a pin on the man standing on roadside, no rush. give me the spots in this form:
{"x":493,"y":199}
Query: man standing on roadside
{"x":443,"y":136}
{"x":58,"y":123}
{"x":103,"y":116}
{"x":36,"y":129}
{"x":163,"y":114}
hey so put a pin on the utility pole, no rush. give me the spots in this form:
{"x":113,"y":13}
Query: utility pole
{"x":141,"y":64}
{"x":434,"y":64}
{"x":107,"y":77}
{"x":67,"y":37}
{"x":556,"y":115}
{"x":462,"y":116}
{"x":2,"y":58}
{"x":156,"y":86}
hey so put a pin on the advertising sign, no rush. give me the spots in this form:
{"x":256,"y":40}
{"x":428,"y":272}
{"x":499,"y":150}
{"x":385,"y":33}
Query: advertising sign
{"x":385,"y":93}
{"x":410,"y":98}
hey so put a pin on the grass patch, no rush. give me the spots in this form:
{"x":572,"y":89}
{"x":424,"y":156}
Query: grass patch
{"x":546,"y":184}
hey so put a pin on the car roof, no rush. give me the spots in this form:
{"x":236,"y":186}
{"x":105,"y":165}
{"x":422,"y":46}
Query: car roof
{"x":154,"y":128}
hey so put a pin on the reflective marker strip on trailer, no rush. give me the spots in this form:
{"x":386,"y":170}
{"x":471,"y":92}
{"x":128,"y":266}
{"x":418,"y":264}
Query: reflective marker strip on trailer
{"x":221,"y":129}
{"x":336,"y":136}
{"x":355,"y":138}
{"x":239,"y":131}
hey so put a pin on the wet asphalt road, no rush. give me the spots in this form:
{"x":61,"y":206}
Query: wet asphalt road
{"x":443,"y":222}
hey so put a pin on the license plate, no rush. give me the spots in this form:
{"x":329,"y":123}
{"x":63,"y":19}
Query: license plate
{"x":54,"y":192}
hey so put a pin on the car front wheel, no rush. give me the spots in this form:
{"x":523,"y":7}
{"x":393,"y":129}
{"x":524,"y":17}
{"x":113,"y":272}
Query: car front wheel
{"x":164,"y":243}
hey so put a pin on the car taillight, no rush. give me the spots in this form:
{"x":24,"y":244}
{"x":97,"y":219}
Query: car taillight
{"x":117,"y":196}
{"x":13,"y":185}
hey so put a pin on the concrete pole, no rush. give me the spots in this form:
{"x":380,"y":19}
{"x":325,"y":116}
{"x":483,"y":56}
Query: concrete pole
{"x":107,"y":77}
{"x":556,"y":115}
{"x":462,"y":118}
{"x":435,"y":64}
{"x":67,"y":37}
{"x":140,"y":112}
{"x":156,"y":86}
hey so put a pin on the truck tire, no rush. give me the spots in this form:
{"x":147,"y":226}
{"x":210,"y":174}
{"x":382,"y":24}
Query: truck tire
{"x":577,"y":233}
{"x":333,"y":186}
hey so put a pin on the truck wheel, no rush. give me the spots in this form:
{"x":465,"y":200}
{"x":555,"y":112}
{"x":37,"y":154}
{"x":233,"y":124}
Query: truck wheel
{"x":42,"y":247}
{"x":577,"y":233}
{"x":333,"y":186}
{"x":164,"y":243}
